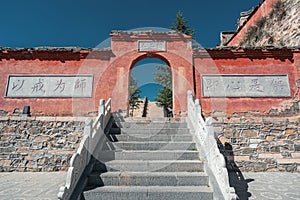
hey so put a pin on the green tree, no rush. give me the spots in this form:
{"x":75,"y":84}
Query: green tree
{"x":165,"y":98}
{"x":132,"y":84}
{"x":135,"y":99}
{"x":180,"y":25}
{"x":164,"y":78}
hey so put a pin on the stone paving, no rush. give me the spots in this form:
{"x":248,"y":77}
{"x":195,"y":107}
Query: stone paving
{"x":31,"y":185}
{"x":267,"y":185}
{"x":250,"y":185}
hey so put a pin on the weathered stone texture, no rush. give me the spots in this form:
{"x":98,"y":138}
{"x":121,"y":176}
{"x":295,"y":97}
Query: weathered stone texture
{"x":38,"y":145}
{"x":279,"y":28}
{"x":262,"y":143}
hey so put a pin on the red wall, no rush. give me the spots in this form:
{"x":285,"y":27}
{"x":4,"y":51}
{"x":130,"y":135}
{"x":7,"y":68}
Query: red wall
{"x":50,"y":62}
{"x":246,"y":62}
{"x":111,"y":69}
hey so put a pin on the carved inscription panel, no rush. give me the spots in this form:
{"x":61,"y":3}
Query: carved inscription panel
{"x":47,"y":86}
{"x":245,"y":86}
{"x":151,"y":45}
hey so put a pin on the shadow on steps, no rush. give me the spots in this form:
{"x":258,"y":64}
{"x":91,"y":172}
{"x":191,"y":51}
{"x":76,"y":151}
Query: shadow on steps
{"x":93,"y":179}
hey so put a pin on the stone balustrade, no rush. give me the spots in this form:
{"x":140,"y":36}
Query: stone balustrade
{"x":93,"y":134}
{"x":215,"y":165}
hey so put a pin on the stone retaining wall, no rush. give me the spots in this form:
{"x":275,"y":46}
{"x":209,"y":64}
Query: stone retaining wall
{"x":38,"y":144}
{"x":260,"y":143}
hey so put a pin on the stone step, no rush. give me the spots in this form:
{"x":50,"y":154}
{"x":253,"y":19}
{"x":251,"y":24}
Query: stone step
{"x":149,"y":179}
{"x":147,"y":137}
{"x":149,"y":193}
{"x":154,"y":110}
{"x":150,"y":166}
{"x":149,"y":119}
{"x":154,"y":146}
{"x":151,"y":131}
{"x":151,"y":124}
{"x":148,"y":155}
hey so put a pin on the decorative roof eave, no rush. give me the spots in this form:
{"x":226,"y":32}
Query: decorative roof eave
{"x":250,"y":52}
{"x":148,"y":34}
{"x":55,"y":53}
{"x":53,"y":49}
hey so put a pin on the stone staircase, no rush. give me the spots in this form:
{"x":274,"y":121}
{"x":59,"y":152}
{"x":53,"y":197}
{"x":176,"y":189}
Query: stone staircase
{"x":144,"y":159}
{"x":154,"y":111}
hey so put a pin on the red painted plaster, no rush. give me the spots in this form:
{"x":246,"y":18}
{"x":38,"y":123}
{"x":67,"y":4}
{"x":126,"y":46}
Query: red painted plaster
{"x":237,"y":63}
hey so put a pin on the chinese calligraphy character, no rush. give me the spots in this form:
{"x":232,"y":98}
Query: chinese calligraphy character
{"x":212,"y":84}
{"x":256,"y":86}
{"x":80,"y":84}
{"x":38,"y":86}
{"x":60,"y":85}
{"x":18,"y":85}
{"x":234,"y":85}
{"x":277,"y":84}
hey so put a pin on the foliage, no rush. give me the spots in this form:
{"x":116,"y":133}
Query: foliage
{"x":261,"y":28}
{"x":279,"y":11}
{"x":180,"y":25}
{"x":164,"y":78}
{"x":135,"y":99}
{"x":261,"y":23}
{"x":132,"y":85}
{"x":165,"y":98}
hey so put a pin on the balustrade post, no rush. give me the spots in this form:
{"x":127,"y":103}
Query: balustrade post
{"x":209,"y":126}
{"x":189,"y":100}
{"x":101,"y":108}
{"x":101,"y":111}
{"x":198,"y":107}
{"x":88,"y":132}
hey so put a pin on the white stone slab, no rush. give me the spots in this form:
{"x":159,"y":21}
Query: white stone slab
{"x":151,"y":45}
{"x":49,"y":86}
{"x":245,"y":86}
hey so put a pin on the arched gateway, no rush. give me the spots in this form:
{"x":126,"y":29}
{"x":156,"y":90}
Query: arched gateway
{"x":130,"y":47}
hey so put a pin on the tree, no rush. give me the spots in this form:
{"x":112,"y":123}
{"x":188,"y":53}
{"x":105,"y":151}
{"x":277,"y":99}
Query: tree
{"x":135,"y":99}
{"x":132,"y":84}
{"x":164,"y":78}
{"x":165,"y":98}
{"x":180,"y":25}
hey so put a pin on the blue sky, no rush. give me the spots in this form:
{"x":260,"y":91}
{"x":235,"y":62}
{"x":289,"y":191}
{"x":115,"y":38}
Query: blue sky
{"x":32,"y":23}
{"x":87,"y":23}
{"x":143,"y":72}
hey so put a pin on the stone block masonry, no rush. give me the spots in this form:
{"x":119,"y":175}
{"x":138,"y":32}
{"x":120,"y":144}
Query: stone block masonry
{"x":38,"y":144}
{"x":260,"y":143}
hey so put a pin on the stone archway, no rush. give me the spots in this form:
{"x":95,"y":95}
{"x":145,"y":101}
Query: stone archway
{"x":177,"y":53}
{"x":143,"y":77}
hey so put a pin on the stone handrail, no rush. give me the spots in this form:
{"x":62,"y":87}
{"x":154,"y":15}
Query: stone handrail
{"x":93,"y":132}
{"x":206,"y":142}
